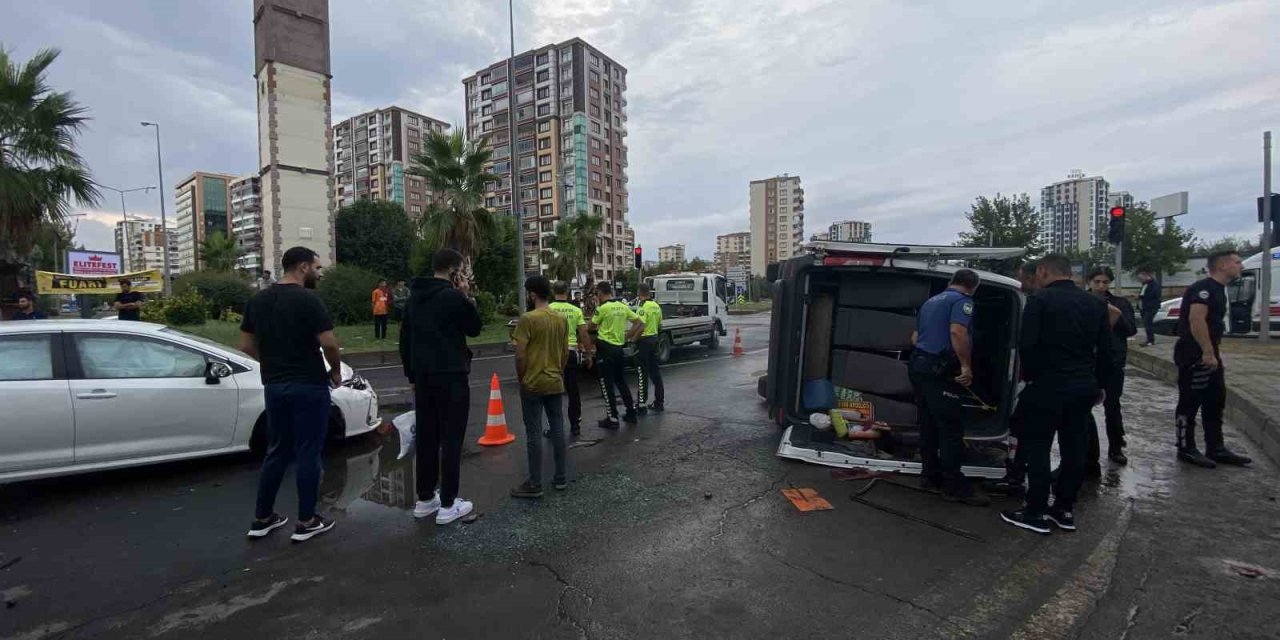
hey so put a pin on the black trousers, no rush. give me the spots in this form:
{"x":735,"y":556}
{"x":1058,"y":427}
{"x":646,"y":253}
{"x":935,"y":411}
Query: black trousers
{"x":1148,"y":323}
{"x":648,"y":372}
{"x":572,"y":370}
{"x":1203,"y":391}
{"x":1062,"y":409}
{"x":380,"y":327}
{"x":941,"y":432}
{"x":613,"y":381}
{"x":1114,"y":419}
{"x":1016,"y":467}
{"x":441,"y":406}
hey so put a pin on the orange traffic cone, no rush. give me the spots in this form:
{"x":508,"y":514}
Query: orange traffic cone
{"x":495,"y":429}
{"x":737,"y":342}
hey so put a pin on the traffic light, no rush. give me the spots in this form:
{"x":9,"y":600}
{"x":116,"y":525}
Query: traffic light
{"x":639,"y":256}
{"x":1115,"y":226}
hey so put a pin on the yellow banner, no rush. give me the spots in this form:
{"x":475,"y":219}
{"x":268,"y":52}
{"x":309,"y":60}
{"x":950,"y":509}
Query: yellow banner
{"x":62,"y":283}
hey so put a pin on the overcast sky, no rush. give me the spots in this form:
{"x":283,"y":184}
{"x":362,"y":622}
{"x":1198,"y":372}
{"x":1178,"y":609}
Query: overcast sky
{"x":899,"y":112}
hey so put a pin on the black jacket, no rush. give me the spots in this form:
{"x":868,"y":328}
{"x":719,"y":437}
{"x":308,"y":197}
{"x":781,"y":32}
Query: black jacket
{"x":1066,"y":337}
{"x":433,"y":335}
{"x":1149,"y":299}
{"x":1125,"y":328}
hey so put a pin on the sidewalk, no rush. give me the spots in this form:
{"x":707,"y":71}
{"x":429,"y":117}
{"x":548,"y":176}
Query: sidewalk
{"x":1252,"y":374}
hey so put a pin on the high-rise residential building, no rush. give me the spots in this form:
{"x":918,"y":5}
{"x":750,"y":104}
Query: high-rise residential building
{"x":825,"y":236}
{"x":733,"y":250}
{"x":1120,"y":199}
{"x":202,"y":206}
{"x":849,"y":231}
{"x":291,"y":69}
{"x":1073,"y":213}
{"x":571,"y":126}
{"x":372,"y":155}
{"x":246,"y":222}
{"x":140,"y":243}
{"x":671,"y":253}
{"x":777,"y":220}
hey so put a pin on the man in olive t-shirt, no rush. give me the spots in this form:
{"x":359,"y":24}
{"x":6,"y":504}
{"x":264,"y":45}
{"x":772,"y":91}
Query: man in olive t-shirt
{"x":542,"y":350}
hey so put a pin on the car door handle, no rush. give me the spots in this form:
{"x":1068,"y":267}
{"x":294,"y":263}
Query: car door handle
{"x":96,"y":394}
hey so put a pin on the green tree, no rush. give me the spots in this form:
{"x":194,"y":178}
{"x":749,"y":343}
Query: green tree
{"x":1244,"y":246}
{"x":495,"y":264}
{"x":219,"y":252}
{"x":1003,"y":222}
{"x":1147,"y":247}
{"x":663,"y":268}
{"x":454,"y":170}
{"x":630,"y":279}
{"x":345,"y":290}
{"x":40,"y":170}
{"x":697,"y":265}
{"x":561,"y":259}
{"x":376,"y":235}
{"x":585,"y":230}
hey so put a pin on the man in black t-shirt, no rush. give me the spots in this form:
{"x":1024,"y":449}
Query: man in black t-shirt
{"x":128,"y":302}
{"x":1201,"y":383}
{"x":285,"y":328}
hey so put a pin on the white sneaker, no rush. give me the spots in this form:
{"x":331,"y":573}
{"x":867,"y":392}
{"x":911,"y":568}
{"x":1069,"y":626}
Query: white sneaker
{"x":425,"y":508}
{"x":459,"y":509}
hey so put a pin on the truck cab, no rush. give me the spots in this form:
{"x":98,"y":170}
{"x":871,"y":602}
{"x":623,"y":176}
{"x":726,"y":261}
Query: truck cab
{"x":840,"y":339}
{"x":695,"y":309}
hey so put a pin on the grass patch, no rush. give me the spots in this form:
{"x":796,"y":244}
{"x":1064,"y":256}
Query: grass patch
{"x":353,"y":338}
{"x":751,"y":307}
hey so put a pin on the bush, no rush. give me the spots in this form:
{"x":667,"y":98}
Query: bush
{"x":346,"y":291}
{"x":180,"y":310}
{"x":509,"y":309}
{"x":221,"y":289}
{"x":487,"y":306}
{"x":420,"y":259}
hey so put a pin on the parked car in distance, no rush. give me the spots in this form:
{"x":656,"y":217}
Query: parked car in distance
{"x":87,"y":395}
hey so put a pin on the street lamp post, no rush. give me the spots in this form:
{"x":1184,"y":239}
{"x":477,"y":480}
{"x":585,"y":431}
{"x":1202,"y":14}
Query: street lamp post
{"x":164,"y":225}
{"x":515,"y":156}
{"x":124,"y":231}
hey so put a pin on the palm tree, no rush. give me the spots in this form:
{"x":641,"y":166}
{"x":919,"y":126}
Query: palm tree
{"x":40,"y":169}
{"x":218,"y":252}
{"x":562,"y":260}
{"x":585,"y":231}
{"x":454,"y":171}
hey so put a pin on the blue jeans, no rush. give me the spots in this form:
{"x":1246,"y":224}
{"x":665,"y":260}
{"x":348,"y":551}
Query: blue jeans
{"x":533,"y":406}
{"x":297,"y":416}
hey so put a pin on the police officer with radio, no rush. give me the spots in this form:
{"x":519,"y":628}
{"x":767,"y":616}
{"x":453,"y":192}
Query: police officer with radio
{"x":942,"y":350}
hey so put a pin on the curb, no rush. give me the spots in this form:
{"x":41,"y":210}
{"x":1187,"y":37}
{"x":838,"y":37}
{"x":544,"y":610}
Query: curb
{"x":1262,"y":429}
{"x":373,"y":358}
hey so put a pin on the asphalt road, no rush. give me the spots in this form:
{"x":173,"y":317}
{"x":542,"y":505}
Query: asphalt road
{"x":671,"y":529}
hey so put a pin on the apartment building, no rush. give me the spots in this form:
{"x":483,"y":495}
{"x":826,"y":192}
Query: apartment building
{"x":373,"y":153}
{"x":570,"y":145}
{"x":777,"y":220}
{"x":849,"y":231}
{"x":246,"y":222}
{"x":140,"y":243}
{"x":1073,"y":213}
{"x":671,"y":253}
{"x":1120,"y":199}
{"x":202,"y":206}
{"x":733,"y":250}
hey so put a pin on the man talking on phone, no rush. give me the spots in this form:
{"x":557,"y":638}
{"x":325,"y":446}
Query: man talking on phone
{"x":438,"y":319}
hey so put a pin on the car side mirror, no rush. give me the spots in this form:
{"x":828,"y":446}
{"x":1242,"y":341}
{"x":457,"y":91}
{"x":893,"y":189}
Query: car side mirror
{"x":215,"y":371}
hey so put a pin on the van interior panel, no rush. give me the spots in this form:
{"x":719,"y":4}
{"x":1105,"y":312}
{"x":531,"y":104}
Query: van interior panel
{"x":872,"y":373}
{"x":817,"y":358}
{"x":858,"y":328}
{"x":883,"y":291}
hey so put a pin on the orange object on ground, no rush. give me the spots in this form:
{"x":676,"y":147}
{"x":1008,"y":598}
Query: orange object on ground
{"x":807,"y":500}
{"x":737,"y":342}
{"x":495,"y":428}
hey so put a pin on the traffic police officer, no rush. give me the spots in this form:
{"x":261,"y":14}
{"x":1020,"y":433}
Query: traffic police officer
{"x":1201,"y":384}
{"x":1066,"y":356}
{"x":942,"y":346}
{"x":648,"y":372}
{"x":616,"y":324}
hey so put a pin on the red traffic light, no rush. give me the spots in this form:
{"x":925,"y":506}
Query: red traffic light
{"x":1117,"y":212}
{"x":638,"y":250}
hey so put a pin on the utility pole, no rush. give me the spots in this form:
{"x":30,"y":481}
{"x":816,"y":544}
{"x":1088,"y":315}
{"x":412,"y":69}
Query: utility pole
{"x":164,"y":225}
{"x":1264,"y":329}
{"x":515,"y":156}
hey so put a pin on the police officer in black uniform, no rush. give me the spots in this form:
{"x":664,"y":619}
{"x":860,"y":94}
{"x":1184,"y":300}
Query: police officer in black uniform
{"x":942,"y":351}
{"x":1066,"y":354}
{"x":1124,"y":325}
{"x":1201,"y":384}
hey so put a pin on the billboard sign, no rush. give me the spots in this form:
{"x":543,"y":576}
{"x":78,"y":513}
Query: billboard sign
{"x":63,"y":283}
{"x":93,"y":263}
{"x":1174,"y":204}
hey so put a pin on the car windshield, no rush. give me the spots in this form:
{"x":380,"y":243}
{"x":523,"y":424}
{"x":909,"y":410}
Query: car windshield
{"x":190,"y":336}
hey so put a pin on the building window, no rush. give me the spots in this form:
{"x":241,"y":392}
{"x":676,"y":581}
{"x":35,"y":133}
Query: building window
{"x":597,"y":194}
{"x":595,"y":128}
{"x":544,"y":93}
{"x":544,"y":76}
{"x":544,"y":110}
{"x":595,"y":160}
{"x":545,"y":176}
{"x":595,"y":61}
{"x":486,"y":110}
{"x":544,"y":143}
{"x":544,"y":127}
{"x":546,"y":209}
{"x":595,"y":176}
{"x":484,"y":79}
{"x":544,"y":160}
{"x":415,"y":209}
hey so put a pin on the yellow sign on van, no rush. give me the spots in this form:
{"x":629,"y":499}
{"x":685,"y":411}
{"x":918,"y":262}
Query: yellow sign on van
{"x":63,"y":283}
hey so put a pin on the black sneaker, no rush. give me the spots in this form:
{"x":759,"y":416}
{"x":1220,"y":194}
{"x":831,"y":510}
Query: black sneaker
{"x":575,"y":430}
{"x":527,"y":490}
{"x":630,"y":417}
{"x":966,"y":494}
{"x":260,"y":528}
{"x":560,"y":485}
{"x":1064,"y":519}
{"x":1117,"y":456}
{"x":1194,"y":456}
{"x":1024,"y":520}
{"x":546,"y":433}
{"x":657,"y":407}
{"x":931,"y":483}
{"x":1093,"y":471}
{"x":608,"y":423}
{"x":1226,"y":456}
{"x":642,"y":410}
{"x":306,"y":531}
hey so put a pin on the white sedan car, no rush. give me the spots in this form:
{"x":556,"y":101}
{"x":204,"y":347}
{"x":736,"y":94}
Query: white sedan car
{"x":86,"y":395}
